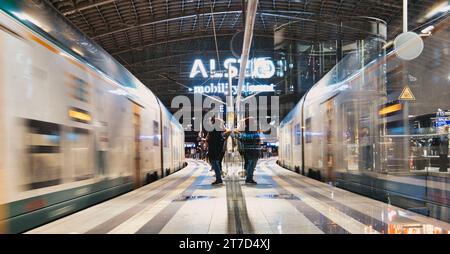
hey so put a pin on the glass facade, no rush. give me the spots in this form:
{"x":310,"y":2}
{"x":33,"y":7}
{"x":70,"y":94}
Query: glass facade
{"x":308,"y":61}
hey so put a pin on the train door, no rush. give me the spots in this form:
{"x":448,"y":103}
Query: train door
{"x":174,"y":148}
{"x":287,"y":145}
{"x":367,"y":135}
{"x":360,"y":132}
{"x":167,"y":156}
{"x":79,"y":152}
{"x":137,"y":144}
{"x":330,"y":142}
{"x":291,"y":146}
{"x":350,"y":129}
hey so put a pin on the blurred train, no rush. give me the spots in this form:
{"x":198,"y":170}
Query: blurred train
{"x":76,"y":128}
{"x":353,"y":129}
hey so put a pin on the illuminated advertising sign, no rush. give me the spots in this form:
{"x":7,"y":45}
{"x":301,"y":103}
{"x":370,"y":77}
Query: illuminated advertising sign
{"x":257,"y":68}
{"x":222,"y":88}
{"x":442,"y":118}
{"x":262,"y":68}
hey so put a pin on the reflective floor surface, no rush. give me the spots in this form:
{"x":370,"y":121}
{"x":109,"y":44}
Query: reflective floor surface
{"x":281,"y":202}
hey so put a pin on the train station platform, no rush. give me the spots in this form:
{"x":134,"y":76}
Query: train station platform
{"x":282,"y":202}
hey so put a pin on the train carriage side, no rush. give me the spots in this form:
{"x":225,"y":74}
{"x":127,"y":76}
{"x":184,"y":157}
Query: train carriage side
{"x":147,"y":120}
{"x":353,"y":137}
{"x":56,"y":128}
{"x":284,"y":156}
{"x":72,"y":140}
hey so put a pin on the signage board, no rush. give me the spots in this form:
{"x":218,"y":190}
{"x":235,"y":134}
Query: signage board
{"x":260,"y":68}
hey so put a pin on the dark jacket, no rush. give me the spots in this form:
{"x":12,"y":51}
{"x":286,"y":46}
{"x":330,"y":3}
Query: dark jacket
{"x":249,"y":144}
{"x":215,"y":145}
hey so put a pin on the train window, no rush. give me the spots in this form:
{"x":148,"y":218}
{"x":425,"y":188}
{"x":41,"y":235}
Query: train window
{"x":166,"y":136}
{"x":297,"y":134}
{"x":44,"y":154}
{"x":308,"y":134}
{"x":80,"y":152}
{"x":155,"y":133}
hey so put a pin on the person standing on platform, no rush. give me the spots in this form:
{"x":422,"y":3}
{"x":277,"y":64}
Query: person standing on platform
{"x":269,"y":152}
{"x":215,"y":142}
{"x":249,"y":144}
{"x":366,"y":149}
{"x":443,"y":150}
{"x":193,"y":153}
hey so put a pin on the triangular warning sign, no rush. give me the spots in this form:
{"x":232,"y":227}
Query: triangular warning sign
{"x":407,"y":95}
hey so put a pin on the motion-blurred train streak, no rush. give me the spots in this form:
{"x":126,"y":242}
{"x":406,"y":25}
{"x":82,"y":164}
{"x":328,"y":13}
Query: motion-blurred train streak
{"x":372,"y":125}
{"x":76,"y":127}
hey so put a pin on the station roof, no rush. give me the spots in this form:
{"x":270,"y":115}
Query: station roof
{"x":157,"y":39}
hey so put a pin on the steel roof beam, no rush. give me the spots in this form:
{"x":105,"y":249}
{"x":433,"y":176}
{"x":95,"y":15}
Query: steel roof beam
{"x":162,"y":21}
{"x":273,"y":13}
{"x":248,"y":37}
{"x":87,"y":6}
{"x":201,"y":35}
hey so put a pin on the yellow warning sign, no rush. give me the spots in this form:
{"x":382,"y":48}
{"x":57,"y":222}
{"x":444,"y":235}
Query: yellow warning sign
{"x":407,"y":95}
